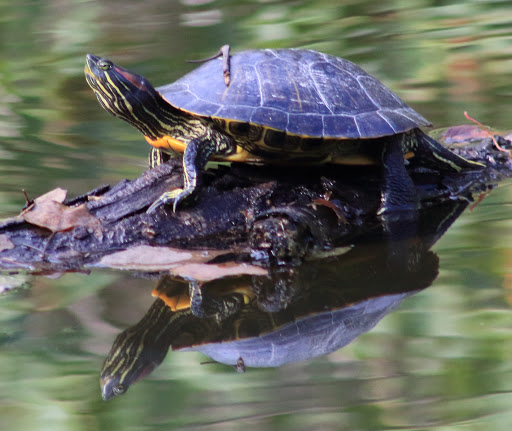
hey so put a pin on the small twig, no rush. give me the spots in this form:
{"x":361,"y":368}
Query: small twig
{"x":481,"y":197}
{"x":27,"y":200}
{"x":28,"y":203}
{"x":485,"y":129}
{"x":226,"y":62}
{"x":239,"y":367}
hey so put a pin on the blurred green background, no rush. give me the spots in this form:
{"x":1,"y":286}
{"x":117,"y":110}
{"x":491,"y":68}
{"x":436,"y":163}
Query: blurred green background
{"x":440,"y":362}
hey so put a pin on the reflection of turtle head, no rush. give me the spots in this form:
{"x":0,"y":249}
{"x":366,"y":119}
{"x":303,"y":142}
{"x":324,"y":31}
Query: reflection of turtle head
{"x":136,"y":352}
{"x":111,"y":386}
{"x":121,"y":370}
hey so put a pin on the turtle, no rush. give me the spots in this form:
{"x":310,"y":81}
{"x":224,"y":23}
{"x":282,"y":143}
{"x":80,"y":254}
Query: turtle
{"x":321,"y":322}
{"x":286,"y":107}
{"x":334,"y":300}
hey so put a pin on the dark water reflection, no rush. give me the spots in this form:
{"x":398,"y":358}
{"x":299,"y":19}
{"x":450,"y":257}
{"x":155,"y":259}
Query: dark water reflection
{"x":440,"y":361}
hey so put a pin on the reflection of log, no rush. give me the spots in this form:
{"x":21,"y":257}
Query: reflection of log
{"x":243,"y":206}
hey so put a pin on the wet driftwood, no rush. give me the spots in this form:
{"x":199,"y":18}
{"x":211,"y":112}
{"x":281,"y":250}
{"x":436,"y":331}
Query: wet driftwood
{"x":263,"y":212}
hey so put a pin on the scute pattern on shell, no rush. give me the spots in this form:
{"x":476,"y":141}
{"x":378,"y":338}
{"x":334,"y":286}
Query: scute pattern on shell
{"x":301,"y":92}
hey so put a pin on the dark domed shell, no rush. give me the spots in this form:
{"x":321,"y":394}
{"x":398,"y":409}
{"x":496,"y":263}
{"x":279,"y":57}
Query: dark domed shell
{"x":304,"y":338}
{"x":302,"y":92}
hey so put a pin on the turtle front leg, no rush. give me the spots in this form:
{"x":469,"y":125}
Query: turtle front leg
{"x":157,"y":157}
{"x":399,"y":192}
{"x":218,"y":308}
{"x":196,"y":155}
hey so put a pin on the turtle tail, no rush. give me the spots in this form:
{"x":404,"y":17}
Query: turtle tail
{"x":436,"y":156}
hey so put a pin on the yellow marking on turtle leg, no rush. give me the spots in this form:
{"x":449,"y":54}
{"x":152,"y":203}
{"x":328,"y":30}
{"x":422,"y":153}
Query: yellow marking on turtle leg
{"x":448,"y":162}
{"x":165,"y":198}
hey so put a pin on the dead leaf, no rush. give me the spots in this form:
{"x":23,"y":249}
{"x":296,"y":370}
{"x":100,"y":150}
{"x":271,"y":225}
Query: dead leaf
{"x":464,"y":133}
{"x":147,"y":258}
{"x":58,"y":218}
{"x":208,"y":272}
{"x":488,"y":132}
{"x":55,"y":195}
{"x":190,"y":264}
{"x":5,"y":243}
{"x":12,"y":281}
{"x":48,"y":212}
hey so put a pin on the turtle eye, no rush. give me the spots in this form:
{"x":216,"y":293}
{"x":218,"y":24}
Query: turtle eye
{"x":104,"y":65}
{"x":119,"y":389}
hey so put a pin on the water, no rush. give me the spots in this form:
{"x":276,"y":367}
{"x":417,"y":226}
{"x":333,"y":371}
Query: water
{"x":440,"y":361}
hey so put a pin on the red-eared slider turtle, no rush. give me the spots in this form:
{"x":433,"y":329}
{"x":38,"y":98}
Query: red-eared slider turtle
{"x":283,"y":106}
{"x":252,"y":337}
{"x":332,"y":301}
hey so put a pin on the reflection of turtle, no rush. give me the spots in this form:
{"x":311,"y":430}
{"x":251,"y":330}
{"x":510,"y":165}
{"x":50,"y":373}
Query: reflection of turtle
{"x":336,"y":300}
{"x":317,"y":325}
{"x":285,"y":106}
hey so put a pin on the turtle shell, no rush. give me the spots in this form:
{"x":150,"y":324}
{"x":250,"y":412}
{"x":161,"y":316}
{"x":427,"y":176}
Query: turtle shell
{"x":318,"y":324}
{"x":300,"y":92}
{"x":308,"y":337}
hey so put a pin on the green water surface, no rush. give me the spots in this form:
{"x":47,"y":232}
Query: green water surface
{"x":442,"y":361}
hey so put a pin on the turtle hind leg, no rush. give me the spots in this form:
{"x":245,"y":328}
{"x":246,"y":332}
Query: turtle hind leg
{"x":432,"y":154}
{"x":398,"y":192}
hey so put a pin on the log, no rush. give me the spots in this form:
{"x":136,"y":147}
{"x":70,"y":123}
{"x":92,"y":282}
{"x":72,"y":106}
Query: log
{"x":243,"y":212}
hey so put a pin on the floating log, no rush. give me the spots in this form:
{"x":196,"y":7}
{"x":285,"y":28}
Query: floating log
{"x":253,"y":212}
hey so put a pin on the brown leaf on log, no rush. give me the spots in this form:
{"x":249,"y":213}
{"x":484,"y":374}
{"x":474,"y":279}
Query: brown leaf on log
{"x":5,"y":243}
{"x":209,"y":272}
{"x":49,"y":212}
{"x":148,"y":258}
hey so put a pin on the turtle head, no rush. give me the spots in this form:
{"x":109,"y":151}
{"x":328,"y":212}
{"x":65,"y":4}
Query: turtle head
{"x":111,"y":387}
{"x":131,"y":358}
{"x":123,"y":93}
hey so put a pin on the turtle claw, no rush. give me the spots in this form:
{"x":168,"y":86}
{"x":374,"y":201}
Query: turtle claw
{"x":153,"y":207}
{"x":176,"y":196}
